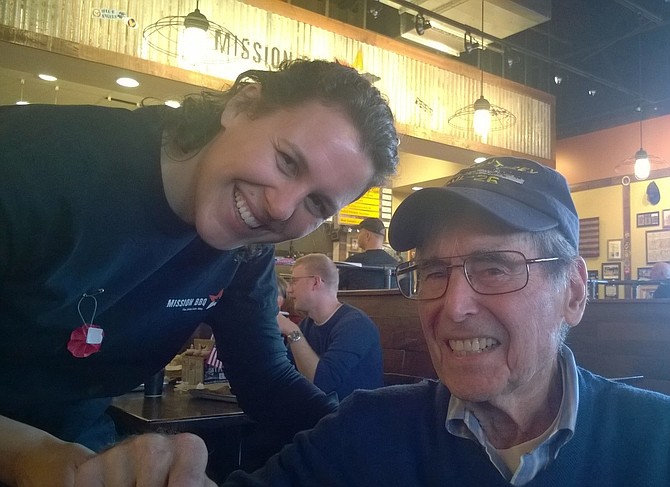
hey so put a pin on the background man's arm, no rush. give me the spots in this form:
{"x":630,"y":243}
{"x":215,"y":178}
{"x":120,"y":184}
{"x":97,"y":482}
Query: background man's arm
{"x":306,"y":360}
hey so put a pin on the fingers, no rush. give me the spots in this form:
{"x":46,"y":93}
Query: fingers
{"x":149,"y":460}
{"x":190,"y":465}
{"x":55,"y":463}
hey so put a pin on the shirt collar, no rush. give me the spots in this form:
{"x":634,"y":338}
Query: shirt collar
{"x":462,"y":423}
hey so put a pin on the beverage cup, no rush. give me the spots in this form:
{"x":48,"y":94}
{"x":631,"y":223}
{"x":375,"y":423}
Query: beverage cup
{"x":153,"y":386}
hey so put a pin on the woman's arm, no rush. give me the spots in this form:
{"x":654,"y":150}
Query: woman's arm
{"x":30,"y":456}
{"x":267,"y":385}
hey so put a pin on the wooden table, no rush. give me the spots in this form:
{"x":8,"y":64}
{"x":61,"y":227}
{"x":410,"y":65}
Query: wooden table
{"x":222,"y":425}
{"x":173,"y":412}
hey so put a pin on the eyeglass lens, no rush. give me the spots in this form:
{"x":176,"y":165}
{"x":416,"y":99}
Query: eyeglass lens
{"x":488,"y":273}
{"x":292,"y":280}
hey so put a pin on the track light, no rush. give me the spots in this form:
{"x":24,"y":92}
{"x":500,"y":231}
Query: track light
{"x":421,"y":24}
{"x":375,"y":9}
{"x":469,"y":43}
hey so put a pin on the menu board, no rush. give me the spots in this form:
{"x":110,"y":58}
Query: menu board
{"x":367,"y":206}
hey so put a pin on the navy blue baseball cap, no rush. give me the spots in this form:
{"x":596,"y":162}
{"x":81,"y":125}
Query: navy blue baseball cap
{"x":521,"y":193}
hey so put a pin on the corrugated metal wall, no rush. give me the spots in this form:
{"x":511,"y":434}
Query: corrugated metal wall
{"x":422,"y":95}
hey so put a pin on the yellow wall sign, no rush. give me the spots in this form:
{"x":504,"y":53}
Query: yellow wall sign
{"x":367,"y":206}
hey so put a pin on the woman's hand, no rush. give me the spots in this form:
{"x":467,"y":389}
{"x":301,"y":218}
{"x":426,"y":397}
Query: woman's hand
{"x":55,"y":463}
{"x":149,"y":460}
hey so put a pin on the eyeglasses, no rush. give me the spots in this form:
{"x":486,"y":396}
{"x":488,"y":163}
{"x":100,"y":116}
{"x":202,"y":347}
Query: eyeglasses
{"x":488,"y":273}
{"x":291,"y":280}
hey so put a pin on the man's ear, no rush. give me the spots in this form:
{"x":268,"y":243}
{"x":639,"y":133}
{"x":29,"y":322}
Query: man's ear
{"x":576,"y":296}
{"x":240,"y":103}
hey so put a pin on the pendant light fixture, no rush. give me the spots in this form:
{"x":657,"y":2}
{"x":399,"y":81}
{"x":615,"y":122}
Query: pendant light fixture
{"x":192,"y":38}
{"x":482,"y":115}
{"x":640,"y":164}
{"x":196,"y":26}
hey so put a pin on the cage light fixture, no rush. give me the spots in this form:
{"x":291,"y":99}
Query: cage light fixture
{"x":192,"y":38}
{"x":641,"y":163}
{"x":482,"y":116}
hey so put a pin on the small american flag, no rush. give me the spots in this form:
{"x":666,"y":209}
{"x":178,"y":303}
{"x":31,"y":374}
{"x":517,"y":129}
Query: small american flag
{"x":212,"y":359}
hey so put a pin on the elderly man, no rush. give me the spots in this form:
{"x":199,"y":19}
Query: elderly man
{"x":498,"y":283}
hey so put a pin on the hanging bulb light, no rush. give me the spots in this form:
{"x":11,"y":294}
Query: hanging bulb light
{"x":196,"y":26}
{"x":642,"y":167}
{"x":193,"y":38}
{"x":482,"y":116}
{"x":642,"y":162}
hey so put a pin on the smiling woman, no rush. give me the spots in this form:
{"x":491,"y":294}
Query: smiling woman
{"x":141,"y":208}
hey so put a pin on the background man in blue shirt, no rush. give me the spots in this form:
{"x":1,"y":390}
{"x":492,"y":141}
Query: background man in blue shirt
{"x":336,"y":346}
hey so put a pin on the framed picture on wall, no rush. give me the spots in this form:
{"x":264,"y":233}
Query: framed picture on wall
{"x":593,"y":274}
{"x":612,"y":270}
{"x":649,"y":219}
{"x":611,"y":291}
{"x":658,"y":246}
{"x":643,"y":273}
{"x":666,"y":218}
{"x":614,"y":249}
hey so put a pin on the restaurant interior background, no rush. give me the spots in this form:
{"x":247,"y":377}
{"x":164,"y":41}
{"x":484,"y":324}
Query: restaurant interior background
{"x":586,"y":85}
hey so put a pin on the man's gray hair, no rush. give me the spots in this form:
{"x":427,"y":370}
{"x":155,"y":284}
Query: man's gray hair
{"x":552,"y":243}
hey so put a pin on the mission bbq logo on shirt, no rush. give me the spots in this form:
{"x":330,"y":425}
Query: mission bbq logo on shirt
{"x":195,"y":304}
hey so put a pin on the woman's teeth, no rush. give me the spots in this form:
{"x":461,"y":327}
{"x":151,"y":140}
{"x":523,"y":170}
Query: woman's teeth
{"x":244,"y":212}
{"x":471,"y":345}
